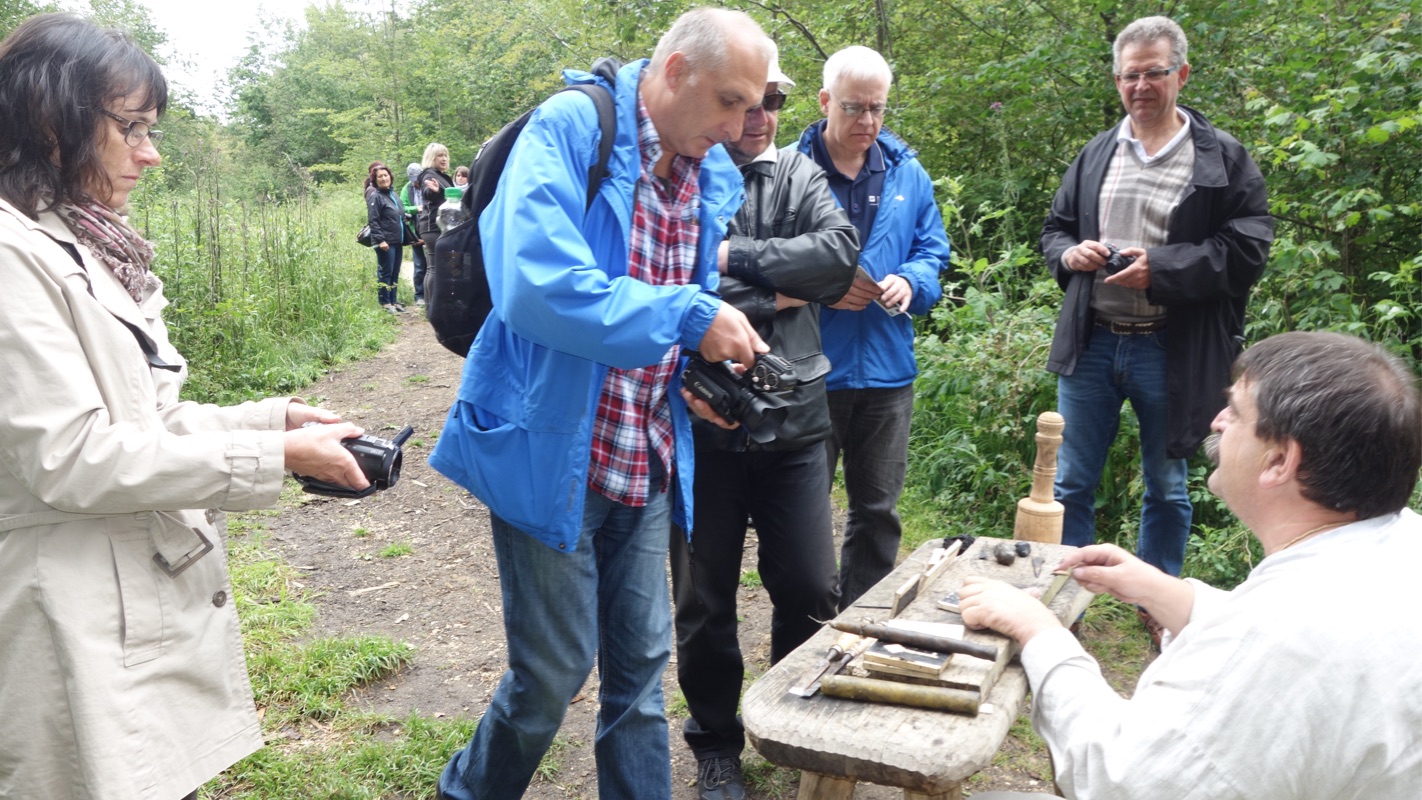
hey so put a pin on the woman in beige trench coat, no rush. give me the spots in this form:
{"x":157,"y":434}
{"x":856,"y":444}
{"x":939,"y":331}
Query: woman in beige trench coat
{"x":121,"y":667}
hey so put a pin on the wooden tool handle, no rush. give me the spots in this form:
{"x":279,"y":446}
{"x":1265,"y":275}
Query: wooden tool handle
{"x":873,"y":690}
{"x":923,"y":641}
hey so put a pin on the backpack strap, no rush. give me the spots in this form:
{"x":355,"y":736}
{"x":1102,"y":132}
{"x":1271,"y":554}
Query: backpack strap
{"x":607,"y":122}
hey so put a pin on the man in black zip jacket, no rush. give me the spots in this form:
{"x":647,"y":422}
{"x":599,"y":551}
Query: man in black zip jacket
{"x":1159,"y":320}
{"x":789,"y":249}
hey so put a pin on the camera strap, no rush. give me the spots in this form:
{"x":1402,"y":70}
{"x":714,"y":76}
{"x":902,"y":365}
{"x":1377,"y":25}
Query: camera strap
{"x":145,"y":342}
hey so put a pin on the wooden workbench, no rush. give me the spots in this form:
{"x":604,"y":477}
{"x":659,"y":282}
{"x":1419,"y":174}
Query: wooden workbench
{"x":837,"y":743}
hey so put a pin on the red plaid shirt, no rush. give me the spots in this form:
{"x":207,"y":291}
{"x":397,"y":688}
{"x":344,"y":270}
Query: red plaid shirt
{"x":632,"y":413}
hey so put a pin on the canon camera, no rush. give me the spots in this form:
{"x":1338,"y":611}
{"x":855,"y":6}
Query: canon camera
{"x":379,"y":460}
{"x":1117,"y":260}
{"x":751,"y":398}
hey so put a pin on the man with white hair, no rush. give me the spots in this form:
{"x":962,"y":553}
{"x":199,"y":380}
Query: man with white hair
{"x":789,"y":249}
{"x":1185,"y":201}
{"x":1303,"y":682}
{"x":868,"y":334}
{"x":569,"y":424}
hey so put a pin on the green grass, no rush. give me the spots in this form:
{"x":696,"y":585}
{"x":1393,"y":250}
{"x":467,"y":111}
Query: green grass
{"x":396,"y":550}
{"x":318,"y":748}
{"x":264,"y":296}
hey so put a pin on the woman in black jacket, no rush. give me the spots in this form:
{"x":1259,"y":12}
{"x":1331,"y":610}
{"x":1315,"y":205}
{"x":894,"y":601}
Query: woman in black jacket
{"x":433,"y":181}
{"x":386,"y":216}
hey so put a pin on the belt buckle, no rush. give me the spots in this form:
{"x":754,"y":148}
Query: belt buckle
{"x":188,"y":560}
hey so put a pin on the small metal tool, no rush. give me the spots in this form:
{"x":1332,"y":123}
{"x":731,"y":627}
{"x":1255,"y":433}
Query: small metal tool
{"x":844,"y":650}
{"x":923,"y":641}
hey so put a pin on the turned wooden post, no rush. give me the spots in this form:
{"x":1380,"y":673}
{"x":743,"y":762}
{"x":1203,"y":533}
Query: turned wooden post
{"x":1039,"y":515}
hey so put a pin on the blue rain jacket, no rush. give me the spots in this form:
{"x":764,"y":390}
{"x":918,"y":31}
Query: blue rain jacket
{"x":519,"y":435}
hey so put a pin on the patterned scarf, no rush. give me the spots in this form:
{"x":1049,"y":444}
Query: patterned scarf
{"x":109,"y":237}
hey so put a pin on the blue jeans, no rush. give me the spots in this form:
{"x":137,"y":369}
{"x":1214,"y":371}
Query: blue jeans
{"x":1112,"y":369}
{"x":387,"y":273}
{"x":606,"y":600}
{"x":871,"y":428}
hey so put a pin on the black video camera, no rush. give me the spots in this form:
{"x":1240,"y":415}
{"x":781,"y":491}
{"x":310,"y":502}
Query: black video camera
{"x":750,"y":398}
{"x":1117,"y":261}
{"x":379,"y":460}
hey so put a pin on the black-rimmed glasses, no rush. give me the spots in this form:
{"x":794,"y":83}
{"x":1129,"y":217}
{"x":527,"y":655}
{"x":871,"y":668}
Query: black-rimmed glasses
{"x":773,"y":102}
{"x":1150,"y":74}
{"x":135,"y":131}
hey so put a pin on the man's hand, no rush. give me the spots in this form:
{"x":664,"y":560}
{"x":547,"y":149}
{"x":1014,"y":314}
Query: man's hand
{"x":1106,"y":568}
{"x":316,"y":452}
{"x":1137,"y":275}
{"x":1088,"y":256}
{"x":384,"y":245}
{"x":861,"y":293}
{"x":784,"y":301}
{"x":896,"y":292}
{"x":723,"y":256}
{"x":986,"y":603}
{"x":731,"y":337}
{"x":702,"y":409}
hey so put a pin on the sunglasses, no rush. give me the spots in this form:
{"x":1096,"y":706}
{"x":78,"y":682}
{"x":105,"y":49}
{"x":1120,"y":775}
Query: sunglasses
{"x":773,"y":102}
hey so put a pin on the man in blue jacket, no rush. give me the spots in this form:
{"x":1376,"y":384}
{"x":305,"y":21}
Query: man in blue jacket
{"x":569,"y":423}
{"x":868,"y":335}
{"x":1185,"y":201}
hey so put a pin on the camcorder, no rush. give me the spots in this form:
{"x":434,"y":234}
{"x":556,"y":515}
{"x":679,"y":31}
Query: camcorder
{"x":753,"y":398}
{"x":379,"y":460}
{"x":1116,"y":261}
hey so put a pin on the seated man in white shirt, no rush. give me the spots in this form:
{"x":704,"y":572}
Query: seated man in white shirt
{"x":1305,"y":681}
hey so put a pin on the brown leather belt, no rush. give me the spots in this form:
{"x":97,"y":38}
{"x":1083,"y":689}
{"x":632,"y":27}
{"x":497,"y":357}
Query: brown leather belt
{"x":1128,"y":328}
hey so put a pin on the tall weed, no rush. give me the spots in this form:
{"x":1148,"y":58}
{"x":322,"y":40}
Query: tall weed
{"x":264,"y":295}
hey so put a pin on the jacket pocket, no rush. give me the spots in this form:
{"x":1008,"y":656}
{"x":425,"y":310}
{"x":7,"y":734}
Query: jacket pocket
{"x":528,"y":478}
{"x":143,"y":610}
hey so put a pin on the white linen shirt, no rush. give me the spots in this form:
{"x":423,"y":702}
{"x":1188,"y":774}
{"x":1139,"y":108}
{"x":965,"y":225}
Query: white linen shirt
{"x":1303,"y":683}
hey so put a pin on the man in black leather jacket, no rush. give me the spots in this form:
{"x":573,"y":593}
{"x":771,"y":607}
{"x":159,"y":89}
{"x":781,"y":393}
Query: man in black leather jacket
{"x":789,"y":249}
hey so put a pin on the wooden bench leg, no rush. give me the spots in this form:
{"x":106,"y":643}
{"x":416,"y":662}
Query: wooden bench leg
{"x":814,"y":786}
{"x":956,"y":793}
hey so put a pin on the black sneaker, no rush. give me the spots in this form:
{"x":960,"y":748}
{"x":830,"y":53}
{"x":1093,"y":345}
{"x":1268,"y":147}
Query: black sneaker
{"x":720,"y":779}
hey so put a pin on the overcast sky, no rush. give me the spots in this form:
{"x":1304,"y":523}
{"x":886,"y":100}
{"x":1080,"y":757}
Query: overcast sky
{"x":205,"y":39}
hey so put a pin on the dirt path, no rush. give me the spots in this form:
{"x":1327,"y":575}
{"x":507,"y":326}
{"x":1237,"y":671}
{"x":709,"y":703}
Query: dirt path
{"x":442,"y":596}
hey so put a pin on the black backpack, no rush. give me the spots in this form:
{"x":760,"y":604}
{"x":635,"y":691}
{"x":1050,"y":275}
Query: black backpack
{"x":457,"y":297}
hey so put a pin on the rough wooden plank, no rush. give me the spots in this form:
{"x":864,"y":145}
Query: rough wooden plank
{"x":928,"y":752}
{"x":824,"y":787}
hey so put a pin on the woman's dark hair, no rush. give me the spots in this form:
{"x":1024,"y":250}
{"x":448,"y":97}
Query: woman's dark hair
{"x":376,"y":166}
{"x":1354,"y":409}
{"x":57,"y":71}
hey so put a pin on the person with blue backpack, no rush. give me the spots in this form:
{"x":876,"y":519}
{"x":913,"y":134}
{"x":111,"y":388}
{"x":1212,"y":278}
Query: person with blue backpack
{"x":570,"y":424}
